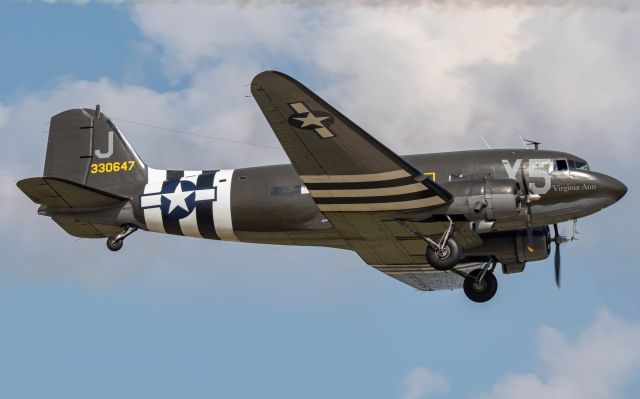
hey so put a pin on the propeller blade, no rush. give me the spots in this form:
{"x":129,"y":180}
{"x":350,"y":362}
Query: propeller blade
{"x":557,"y":265}
{"x":557,"y":255}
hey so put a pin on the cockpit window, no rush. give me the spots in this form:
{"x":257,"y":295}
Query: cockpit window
{"x":561,"y":165}
{"x":582,"y":165}
{"x":572,"y":164}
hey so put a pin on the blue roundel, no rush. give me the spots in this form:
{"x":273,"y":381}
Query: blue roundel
{"x":178,"y":199}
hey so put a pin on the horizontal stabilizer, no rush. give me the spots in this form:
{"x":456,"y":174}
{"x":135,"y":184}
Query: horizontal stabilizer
{"x":60,"y":194}
{"x":85,"y":229}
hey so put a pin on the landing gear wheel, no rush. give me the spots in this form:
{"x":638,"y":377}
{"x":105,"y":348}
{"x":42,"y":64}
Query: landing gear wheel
{"x":480,"y":291}
{"x":445,"y":258}
{"x":114,"y":244}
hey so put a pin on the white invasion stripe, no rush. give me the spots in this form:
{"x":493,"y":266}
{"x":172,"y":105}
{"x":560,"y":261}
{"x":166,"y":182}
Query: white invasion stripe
{"x":155,"y":175}
{"x":205,"y":195}
{"x":396,"y":174}
{"x":370,"y":192}
{"x":383,"y":206}
{"x":222,"y":206}
{"x":153,"y":216}
{"x":189,"y":225}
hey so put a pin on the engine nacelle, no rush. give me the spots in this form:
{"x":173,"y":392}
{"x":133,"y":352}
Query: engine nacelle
{"x":487,"y":202}
{"x":511,"y":247}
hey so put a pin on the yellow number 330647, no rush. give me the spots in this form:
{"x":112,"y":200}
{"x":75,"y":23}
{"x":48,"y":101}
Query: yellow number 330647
{"x":112,"y":167}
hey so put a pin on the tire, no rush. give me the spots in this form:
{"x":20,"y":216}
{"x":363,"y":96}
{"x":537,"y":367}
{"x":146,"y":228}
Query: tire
{"x":450,"y":256}
{"x":114,"y":245}
{"x":480,"y":293}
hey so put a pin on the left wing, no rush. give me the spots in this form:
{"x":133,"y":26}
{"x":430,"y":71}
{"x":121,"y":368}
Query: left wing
{"x":360,"y":185}
{"x":344,"y":167}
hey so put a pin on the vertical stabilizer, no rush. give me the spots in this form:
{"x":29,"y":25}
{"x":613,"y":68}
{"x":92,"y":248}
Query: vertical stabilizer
{"x":85,"y":147}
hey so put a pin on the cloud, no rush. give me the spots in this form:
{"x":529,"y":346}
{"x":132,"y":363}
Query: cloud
{"x":600,"y":363}
{"x":424,"y":53}
{"x":422,"y":383}
{"x":447,"y":77}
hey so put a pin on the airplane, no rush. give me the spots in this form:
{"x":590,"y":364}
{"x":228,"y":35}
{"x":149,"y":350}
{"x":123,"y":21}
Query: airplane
{"x":437,"y":221}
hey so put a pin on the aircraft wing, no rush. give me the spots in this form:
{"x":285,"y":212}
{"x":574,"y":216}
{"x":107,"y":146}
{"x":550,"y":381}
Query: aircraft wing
{"x":344,"y":168}
{"x":360,"y":185}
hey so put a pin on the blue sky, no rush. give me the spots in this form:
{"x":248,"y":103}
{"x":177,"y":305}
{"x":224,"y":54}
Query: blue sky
{"x":170,"y":316}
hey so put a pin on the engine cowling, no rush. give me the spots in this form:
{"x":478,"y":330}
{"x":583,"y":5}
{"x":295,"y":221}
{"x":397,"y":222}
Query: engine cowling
{"x":487,"y":199}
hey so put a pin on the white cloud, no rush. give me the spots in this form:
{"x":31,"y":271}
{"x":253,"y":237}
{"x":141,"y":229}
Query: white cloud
{"x":422,"y":383}
{"x":418,"y":87}
{"x":598,"y":364}
{"x":428,"y":80}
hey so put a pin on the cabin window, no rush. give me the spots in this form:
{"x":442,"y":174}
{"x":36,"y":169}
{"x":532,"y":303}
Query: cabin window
{"x":561,"y":165}
{"x":286,"y":190}
{"x":455,"y":176}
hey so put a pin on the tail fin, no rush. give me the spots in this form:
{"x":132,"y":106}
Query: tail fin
{"x":85,"y":147}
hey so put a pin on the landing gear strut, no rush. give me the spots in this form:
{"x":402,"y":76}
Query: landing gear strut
{"x":116,"y":242}
{"x":442,"y":255}
{"x":480,"y":285}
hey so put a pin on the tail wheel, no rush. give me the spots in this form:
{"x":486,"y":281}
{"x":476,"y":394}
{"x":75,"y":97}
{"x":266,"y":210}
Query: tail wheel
{"x":444,"y":258}
{"x":480,"y":290}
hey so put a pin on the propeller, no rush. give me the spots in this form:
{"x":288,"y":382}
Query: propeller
{"x":558,"y":239}
{"x":557,"y":262}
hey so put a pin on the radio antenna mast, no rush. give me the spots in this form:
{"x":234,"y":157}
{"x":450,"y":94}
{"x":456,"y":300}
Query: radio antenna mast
{"x":529,"y":143}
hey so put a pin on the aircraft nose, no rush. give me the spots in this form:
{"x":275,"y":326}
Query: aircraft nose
{"x":615,"y":188}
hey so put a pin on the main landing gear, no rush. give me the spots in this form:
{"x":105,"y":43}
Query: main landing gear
{"x":442,"y":255}
{"x":116,"y":242}
{"x":480,"y":285}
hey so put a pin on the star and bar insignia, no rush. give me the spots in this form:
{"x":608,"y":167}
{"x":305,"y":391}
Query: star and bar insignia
{"x":318,"y":121}
{"x":178,"y":198}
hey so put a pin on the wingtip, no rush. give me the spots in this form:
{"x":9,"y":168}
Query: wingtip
{"x":270,"y":78}
{"x":270,"y":74}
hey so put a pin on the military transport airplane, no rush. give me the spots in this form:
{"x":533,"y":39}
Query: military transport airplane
{"x":432,"y":221}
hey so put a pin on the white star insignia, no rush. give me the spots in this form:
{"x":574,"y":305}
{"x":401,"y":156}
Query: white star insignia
{"x":312,"y":120}
{"x":178,"y":199}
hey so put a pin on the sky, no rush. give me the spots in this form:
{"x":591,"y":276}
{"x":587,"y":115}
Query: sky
{"x":174,"y":317}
